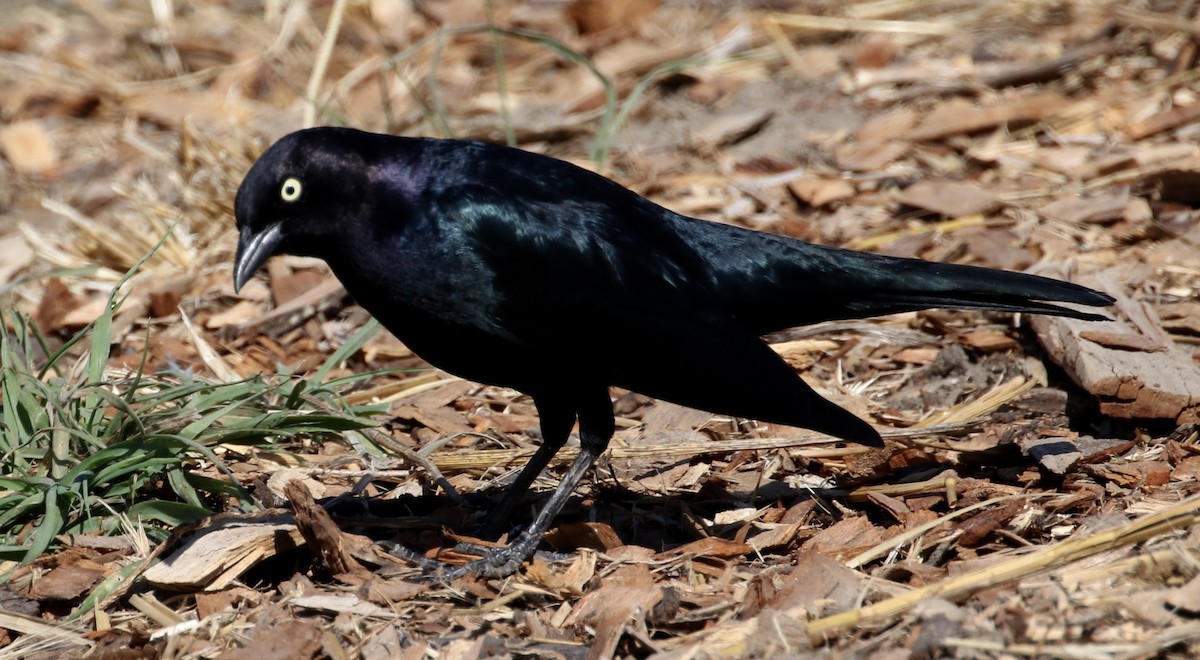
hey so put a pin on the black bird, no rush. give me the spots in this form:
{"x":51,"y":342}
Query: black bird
{"x":516,"y":269}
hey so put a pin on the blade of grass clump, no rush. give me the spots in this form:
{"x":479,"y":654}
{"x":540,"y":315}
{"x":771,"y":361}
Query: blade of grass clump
{"x":566,"y":52}
{"x":123,"y":406}
{"x":172,"y":514}
{"x":607,"y":135}
{"x":296,"y":394}
{"x":194,"y":429}
{"x":131,"y":391}
{"x":181,"y":487}
{"x":242,"y":392}
{"x":348,"y":348}
{"x":248,"y":501}
{"x":25,"y":507}
{"x":44,"y":533}
{"x":101,"y":328}
{"x":110,"y":585}
{"x":60,"y":452}
{"x":216,"y":487}
{"x":23,"y":413}
{"x":10,"y":389}
{"x":338,"y":384}
{"x":125,"y":440}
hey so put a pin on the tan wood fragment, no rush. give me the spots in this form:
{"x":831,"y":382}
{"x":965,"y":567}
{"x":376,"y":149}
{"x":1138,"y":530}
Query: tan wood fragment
{"x":1162,"y":384}
{"x":218,"y":555}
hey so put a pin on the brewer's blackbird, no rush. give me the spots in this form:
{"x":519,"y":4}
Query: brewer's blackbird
{"x":516,"y":269}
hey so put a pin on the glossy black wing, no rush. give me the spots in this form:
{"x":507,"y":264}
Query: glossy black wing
{"x":600,"y":294}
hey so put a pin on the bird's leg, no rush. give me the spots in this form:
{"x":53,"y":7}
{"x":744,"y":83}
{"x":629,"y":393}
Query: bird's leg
{"x":556,"y":422}
{"x":500,"y":562}
{"x":596,"y":427}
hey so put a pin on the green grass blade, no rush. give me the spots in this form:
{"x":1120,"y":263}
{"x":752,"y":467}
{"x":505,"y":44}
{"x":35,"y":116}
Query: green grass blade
{"x":48,"y":528}
{"x":348,"y":348}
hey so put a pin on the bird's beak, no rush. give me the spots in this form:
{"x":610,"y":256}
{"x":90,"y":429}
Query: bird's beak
{"x":253,"y":249}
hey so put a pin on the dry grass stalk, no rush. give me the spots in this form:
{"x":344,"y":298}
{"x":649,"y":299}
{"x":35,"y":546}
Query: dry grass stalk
{"x":1160,"y":559}
{"x":155,"y":610}
{"x":912,"y":534}
{"x":1170,"y":519}
{"x":944,"y":227}
{"x":836,"y":24}
{"x":484,"y":459}
{"x":993,"y":399}
{"x":322,"y":62}
{"x":28,"y":625}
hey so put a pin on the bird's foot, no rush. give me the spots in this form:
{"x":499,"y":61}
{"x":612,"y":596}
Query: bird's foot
{"x":493,"y":562}
{"x":484,"y":550}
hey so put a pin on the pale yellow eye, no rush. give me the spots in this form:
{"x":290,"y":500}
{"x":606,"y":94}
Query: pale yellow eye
{"x":290,"y":191}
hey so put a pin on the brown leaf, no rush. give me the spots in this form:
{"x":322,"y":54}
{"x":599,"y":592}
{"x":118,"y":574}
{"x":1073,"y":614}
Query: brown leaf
{"x":887,"y":127}
{"x":1134,"y":474}
{"x":163,"y":303}
{"x":280,"y":638}
{"x":571,"y":579}
{"x":732,"y":128}
{"x":989,"y":341}
{"x":1098,"y":209}
{"x":820,"y":192}
{"x":628,"y":593}
{"x":504,"y":422}
{"x":978,"y":528}
{"x":444,"y":421}
{"x":172,"y":109}
{"x":56,"y":301}
{"x":83,"y":313}
{"x":958,"y":116}
{"x":389,"y":592}
{"x":996,"y":247}
{"x":238,"y":314}
{"x":208,"y":603}
{"x":817,"y":583}
{"x":289,"y":285}
{"x":68,"y":582}
{"x":441,"y":396}
{"x":845,"y":538}
{"x":710,"y":546}
{"x":597,"y":536}
{"x":590,"y":16}
{"x":870,"y":156}
{"x":952,"y":199}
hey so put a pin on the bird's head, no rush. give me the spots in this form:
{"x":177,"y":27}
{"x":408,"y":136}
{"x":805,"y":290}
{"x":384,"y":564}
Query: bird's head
{"x":298,"y":197}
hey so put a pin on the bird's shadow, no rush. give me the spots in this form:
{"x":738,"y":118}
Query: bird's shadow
{"x":652,"y":520}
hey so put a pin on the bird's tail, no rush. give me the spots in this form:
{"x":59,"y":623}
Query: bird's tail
{"x":771,"y":282}
{"x":891,"y":284}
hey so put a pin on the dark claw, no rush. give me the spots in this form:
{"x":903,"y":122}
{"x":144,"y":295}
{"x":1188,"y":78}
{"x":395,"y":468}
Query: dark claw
{"x":493,"y":562}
